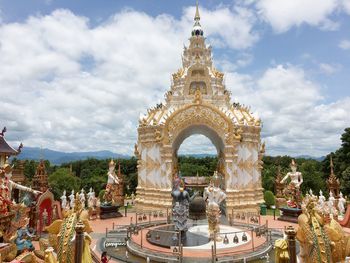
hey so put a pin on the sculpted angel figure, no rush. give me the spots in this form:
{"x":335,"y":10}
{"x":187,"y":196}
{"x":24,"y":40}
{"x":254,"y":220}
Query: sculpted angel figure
{"x":112,"y":187}
{"x":72,"y":199}
{"x":63,"y":200}
{"x":293,"y":188}
{"x":341,"y":204}
{"x":214,"y":197}
{"x":7,"y":184}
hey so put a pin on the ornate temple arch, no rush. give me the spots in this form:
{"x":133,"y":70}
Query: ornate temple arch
{"x":198,"y":113}
{"x":199,"y":103}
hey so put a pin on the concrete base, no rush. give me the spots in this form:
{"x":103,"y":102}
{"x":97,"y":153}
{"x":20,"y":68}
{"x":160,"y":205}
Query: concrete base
{"x":109,"y":211}
{"x":290,"y":214}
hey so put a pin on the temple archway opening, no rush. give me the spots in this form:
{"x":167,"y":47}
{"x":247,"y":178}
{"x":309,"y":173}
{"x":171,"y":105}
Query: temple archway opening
{"x":207,"y":139}
{"x":197,"y":172}
{"x":197,"y":177}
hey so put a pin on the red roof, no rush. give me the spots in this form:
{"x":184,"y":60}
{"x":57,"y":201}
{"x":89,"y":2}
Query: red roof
{"x":6,"y":148}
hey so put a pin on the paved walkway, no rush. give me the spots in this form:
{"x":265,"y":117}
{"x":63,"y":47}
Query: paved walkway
{"x":100,"y":227}
{"x":99,"y":230}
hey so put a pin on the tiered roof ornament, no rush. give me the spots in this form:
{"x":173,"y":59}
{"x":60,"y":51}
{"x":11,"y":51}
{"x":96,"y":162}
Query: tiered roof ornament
{"x":40,"y":181}
{"x":333,"y":183}
{"x":198,"y":81}
{"x":199,"y":103}
{"x":5,"y":149}
{"x":197,"y":28}
{"x":279,"y":186}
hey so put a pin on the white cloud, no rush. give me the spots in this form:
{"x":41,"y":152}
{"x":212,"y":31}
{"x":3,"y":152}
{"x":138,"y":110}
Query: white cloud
{"x":329,"y":69}
{"x":295,"y":119}
{"x":344,"y":44}
{"x":67,"y":85}
{"x":227,"y":27}
{"x":197,"y":144}
{"x":282,"y":15}
{"x":346,"y":5}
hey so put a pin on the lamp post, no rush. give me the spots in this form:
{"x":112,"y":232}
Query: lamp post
{"x":274,"y":211}
{"x":126,"y":208}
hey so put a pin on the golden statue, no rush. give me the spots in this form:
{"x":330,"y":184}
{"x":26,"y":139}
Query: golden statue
{"x":62,"y":237}
{"x":321,"y":237}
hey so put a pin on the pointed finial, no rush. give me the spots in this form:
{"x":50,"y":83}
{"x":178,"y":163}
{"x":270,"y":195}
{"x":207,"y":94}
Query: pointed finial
{"x":3,"y":131}
{"x":19,"y":148}
{"x":293,"y":164}
{"x":332,"y":166}
{"x":41,"y":153}
{"x":197,"y":16}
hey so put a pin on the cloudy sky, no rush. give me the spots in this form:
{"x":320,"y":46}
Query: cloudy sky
{"x":75,"y":75}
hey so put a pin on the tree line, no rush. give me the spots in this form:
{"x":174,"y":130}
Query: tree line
{"x":93,"y":173}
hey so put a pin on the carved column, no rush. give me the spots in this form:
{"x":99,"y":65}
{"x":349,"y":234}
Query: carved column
{"x":291,"y":233}
{"x":79,"y":242}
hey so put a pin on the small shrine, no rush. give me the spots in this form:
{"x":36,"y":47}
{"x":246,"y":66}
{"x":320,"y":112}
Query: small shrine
{"x":333,"y":183}
{"x":279,"y":189}
{"x":13,"y":217}
{"x":40,"y":181}
{"x":120,"y":190}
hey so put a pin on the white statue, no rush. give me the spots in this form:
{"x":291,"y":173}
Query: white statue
{"x":311,"y":193}
{"x":321,"y":199}
{"x":296,"y":178}
{"x":82,"y":197}
{"x":331,"y":204}
{"x":331,"y":199}
{"x":72,"y":199}
{"x":91,"y":197}
{"x":112,"y":177}
{"x":64,"y":200}
{"x":214,"y":196}
{"x":45,"y":216}
{"x":112,"y":187}
{"x":341,"y":204}
{"x":7,"y":183}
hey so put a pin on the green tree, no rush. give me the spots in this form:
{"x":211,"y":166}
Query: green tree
{"x":130,"y":183}
{"x":269,"y":198}
{"x":30,"y":168}
{"x":62,"y":180}
{"x":312,"y":176}
{"x":345,"y":181}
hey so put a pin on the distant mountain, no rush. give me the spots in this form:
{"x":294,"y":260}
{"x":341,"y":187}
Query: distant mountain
{"x":199,"y":155}
{"x":320,"y":159}
{"x":57,"y":157}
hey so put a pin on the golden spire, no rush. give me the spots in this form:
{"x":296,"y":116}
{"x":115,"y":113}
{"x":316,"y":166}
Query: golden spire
{"x":197,"y":16}
{"x":332,"y":166}
{"x":112,"y":163}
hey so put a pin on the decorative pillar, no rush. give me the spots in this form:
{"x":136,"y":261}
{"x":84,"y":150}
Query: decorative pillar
{"x":79,"y":242}
{"x":291,"y":234}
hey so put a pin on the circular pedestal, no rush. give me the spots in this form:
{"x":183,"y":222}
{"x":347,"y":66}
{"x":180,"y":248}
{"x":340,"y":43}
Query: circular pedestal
{"x":165,"y":236}
{"x":228,"y":231}
{"x":109,"y":211}
{"x":290,"y":214}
